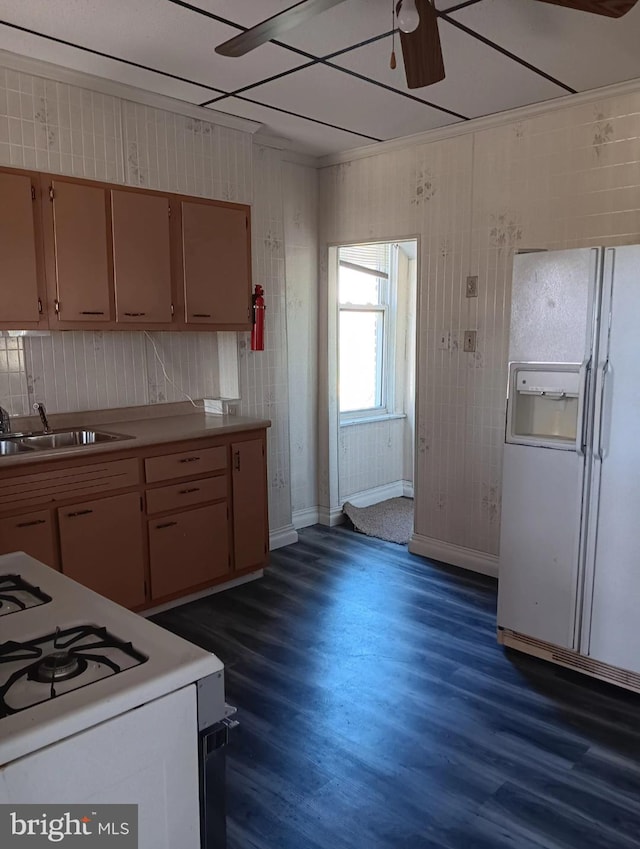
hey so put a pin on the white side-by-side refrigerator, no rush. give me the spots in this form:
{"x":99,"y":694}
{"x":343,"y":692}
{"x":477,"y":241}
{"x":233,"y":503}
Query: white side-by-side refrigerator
{"x":569,"y":572}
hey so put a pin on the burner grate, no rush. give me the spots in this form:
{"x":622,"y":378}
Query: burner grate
{"x":17,"y":595}
{"x":69,"y":659}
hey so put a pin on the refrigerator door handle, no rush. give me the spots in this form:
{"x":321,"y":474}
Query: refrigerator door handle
{"x":598,"y":450}
{"x":581,"y":421}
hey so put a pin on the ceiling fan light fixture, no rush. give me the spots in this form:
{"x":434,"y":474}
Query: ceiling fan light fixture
{"x":408,"y":17}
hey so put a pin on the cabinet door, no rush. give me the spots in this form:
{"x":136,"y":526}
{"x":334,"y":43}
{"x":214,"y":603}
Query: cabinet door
{"x":21,"y":271}
{"x":250,"y":523}
{"x":216,"y":264}
{"x":80,"y":261}
{"x":141,"y":257}
{"x":33,"y":533}
{"x":101,"y":547}
{"x":188,"y":549}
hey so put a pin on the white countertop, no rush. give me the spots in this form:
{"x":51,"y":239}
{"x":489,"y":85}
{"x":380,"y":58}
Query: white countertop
{"x":172,"y":662}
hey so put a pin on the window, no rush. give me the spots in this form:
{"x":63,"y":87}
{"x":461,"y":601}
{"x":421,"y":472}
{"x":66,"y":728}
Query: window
{"x":366,"y":297}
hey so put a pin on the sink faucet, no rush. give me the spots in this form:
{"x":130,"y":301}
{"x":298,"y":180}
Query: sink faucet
{"x":40,"y":409}
{"x":5,"y":421}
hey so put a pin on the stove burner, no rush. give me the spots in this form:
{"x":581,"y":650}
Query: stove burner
{"x":57,"y":666}
{"x":53,"y":665}
{"x":16,"y":595}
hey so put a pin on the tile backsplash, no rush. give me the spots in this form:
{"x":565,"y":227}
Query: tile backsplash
{"x":82,"y":370}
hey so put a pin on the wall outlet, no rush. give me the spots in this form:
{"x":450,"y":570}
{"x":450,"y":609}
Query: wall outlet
{"x":472,"y":287}
{"x":469,"y":341}
{"x":443,"y":340}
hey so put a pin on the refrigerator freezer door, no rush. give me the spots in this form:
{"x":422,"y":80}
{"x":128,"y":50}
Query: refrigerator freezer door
{"x":552,"y":301}
{"x":541,"y":513}
{"x":613,"y":577}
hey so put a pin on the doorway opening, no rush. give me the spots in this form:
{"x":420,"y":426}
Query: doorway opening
{"x":375,"y":297}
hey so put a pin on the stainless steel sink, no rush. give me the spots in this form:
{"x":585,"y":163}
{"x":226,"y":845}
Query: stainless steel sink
{"x":18,"y":443}
{"x":70,"y":438}
{"x":8,"y":446}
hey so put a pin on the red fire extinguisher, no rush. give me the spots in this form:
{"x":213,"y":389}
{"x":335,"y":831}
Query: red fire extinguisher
{"x":257,"y":331}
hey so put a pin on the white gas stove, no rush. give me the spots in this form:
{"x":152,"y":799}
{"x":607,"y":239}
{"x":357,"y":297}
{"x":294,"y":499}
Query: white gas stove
{"x":121,"y":707}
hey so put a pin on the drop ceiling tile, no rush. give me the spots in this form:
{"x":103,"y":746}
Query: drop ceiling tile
{"x":479,"y":80}
{"x":157,"y":34}
{"x":344,"y":25}
{"x":70,"y":57}
{"x":583,"y":50}
{"x":351,"y":104}
{"x":247,"y":13}
{"x":306,"y":136}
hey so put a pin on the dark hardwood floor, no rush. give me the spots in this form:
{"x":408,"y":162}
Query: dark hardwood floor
{"x":377,"y":710}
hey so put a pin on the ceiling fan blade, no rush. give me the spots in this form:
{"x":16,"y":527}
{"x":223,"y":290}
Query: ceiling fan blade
{"x":274,"y":27}
{"x":610,"y":8}
{"x":421,"y":51}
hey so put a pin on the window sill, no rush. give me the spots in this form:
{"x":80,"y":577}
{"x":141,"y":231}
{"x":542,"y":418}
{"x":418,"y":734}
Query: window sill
{"x":383,"y":417}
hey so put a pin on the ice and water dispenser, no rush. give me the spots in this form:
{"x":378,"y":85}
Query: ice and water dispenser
{"x":543,"y":404}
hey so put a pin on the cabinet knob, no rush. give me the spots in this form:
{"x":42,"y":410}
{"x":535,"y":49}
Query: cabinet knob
{"x":92,"y":312}
{"x":187,"y":491}
{"x":135,"y":314}
{"x":189,"y":460}
{"x":236,"y":460}
{"x":165,"y":525}
{"x":30,"y":524}
{"x":79,"y":513}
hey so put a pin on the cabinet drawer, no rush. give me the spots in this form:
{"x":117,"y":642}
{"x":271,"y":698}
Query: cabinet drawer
{"x":180,"y":495}
{"x":186,"y":463}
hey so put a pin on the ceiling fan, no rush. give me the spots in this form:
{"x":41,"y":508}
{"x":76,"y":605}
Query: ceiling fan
{"x":418,"y":25}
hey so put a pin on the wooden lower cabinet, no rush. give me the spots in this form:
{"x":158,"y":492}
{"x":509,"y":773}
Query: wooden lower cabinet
{"x":33,"y":533}
{"x":188,"y":549}
{"x":101,"y":547}
{"x":249,"y":484}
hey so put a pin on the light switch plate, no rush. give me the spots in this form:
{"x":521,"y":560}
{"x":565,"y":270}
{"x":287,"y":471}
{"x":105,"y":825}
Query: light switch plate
{"x":443,"y":340}
{"x":472,"y":287}
{"x":469,"y":341}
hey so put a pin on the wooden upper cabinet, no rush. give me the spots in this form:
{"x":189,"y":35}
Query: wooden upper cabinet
{"x":141,"y":257}
{"x":216,"y":263}
{"x":21,"y":262}
{"x":76,"y":244}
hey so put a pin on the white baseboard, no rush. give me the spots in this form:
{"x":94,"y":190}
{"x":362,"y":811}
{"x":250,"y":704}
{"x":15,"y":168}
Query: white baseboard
{"x":367,"y":497}
{"x":282,"y":536}
{"x":330,"y":516}
{"x":407,"y":489}
{"x":455,"y":555}
{"x":306,"y":517}
{"x":243,"y":579}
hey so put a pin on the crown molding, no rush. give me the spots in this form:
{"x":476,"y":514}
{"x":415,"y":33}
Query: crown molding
{"x":50,"y":71}
{"x":487,"y":122}
{"x":288,"y":149}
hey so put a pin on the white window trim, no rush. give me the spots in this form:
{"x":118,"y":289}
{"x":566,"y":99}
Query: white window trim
{"x":386,"y":410}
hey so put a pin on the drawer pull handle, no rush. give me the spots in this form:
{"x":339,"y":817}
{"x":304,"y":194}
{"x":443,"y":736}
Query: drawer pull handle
{"x":79,"y":513}
{"x":201,"y":315}
{"x":92,"y":312}
{"x":189,"y":460}
{"x":187,"y":491}
{"x":165,"y":525}
{"x":30,"y":524}
{"x":236,"y":460}
{"x":135,"y":314}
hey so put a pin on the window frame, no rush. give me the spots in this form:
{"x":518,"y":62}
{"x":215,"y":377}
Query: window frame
{"x":387,"y":307}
